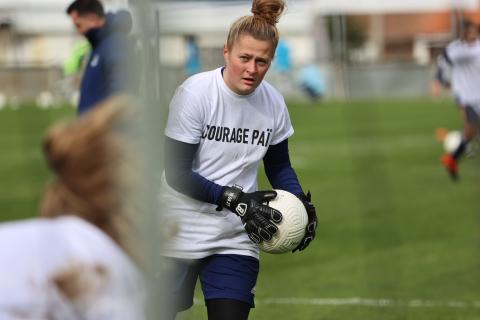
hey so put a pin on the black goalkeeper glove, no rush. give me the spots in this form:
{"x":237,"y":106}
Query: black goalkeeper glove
{"x":258,"y":218}
{"x":312,"y":222}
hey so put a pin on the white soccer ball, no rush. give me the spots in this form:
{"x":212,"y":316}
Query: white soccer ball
{"x":291,"y":229}
{"x":452,"y":141}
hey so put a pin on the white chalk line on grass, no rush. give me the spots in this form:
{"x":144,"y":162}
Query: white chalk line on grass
{"x":415,"y":303}
{"x":365,"y":302}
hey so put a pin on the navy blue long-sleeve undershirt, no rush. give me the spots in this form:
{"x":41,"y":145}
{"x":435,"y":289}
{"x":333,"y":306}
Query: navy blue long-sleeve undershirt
{"x":278,"y":168}
{"x":180,"y":176}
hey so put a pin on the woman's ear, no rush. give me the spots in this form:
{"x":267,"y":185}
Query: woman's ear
{"x":225,"y":53}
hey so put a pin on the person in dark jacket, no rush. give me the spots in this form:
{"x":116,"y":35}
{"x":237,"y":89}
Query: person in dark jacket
{"x":108,"y":68}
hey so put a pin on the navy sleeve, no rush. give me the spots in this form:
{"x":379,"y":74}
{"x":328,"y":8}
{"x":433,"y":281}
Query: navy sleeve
{"x":443,"y":63}
{"x":279,"y":170}
{"x":447,"y":57}
{"x":180,"y":176}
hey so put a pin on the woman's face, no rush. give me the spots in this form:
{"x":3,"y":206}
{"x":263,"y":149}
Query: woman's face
{"x":246,"y":63}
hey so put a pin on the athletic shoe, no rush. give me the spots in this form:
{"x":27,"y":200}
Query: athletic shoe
{"x":451,"y":165}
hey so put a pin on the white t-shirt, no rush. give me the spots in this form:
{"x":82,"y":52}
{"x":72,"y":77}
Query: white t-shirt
{"x":465,"y":59}
{"x":33,"y":252}
{"x":233,"y":133}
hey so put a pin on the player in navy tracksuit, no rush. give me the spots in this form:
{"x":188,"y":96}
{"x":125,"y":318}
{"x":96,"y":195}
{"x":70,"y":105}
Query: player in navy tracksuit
{"x":107,"y":70}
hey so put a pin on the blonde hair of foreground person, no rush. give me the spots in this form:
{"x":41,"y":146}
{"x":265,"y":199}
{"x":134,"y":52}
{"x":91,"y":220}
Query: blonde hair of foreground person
{"x":92,"y":164}
{"x":75,"y":262}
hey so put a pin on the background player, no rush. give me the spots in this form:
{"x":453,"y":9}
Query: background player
{"x":222,"y":123}
{"x":73,"y":262}
{"x":461,"y":58}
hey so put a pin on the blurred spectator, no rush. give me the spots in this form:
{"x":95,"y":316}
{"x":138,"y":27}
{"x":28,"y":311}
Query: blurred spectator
{"x":283,"y":58}
{"x":192,"y":65}
{"x":109,"y":68}
{"x":72,"y":71}
{"x":282,"y":67}
{"x":74,"y":63}
{"x":312,"y":81}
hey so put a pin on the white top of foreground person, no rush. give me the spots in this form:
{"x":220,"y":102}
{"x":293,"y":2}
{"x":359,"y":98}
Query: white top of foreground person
{"x":65,"y":268}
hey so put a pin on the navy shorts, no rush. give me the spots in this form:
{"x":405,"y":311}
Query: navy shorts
{"x":222,"y":276}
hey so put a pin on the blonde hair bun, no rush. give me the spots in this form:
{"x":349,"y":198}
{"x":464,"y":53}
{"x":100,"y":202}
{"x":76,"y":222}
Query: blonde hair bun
{"x":269,"y":10}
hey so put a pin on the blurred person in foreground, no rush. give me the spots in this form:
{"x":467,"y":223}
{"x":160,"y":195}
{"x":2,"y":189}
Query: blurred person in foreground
{"x":458,"y":68}
{"x":77,"y":261}
{"x":222,"y":124}
{"x":109,"y":67}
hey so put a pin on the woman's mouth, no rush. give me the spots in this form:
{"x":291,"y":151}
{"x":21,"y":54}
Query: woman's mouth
{"x":248,"y":81}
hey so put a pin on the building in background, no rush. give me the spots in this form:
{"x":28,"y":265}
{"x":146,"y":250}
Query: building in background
{"x":347,"y":39}
{"x":406,"y":36}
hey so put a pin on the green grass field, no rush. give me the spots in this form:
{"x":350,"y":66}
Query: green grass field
{"x":23,"y":172}
{"x":397,"y":239}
